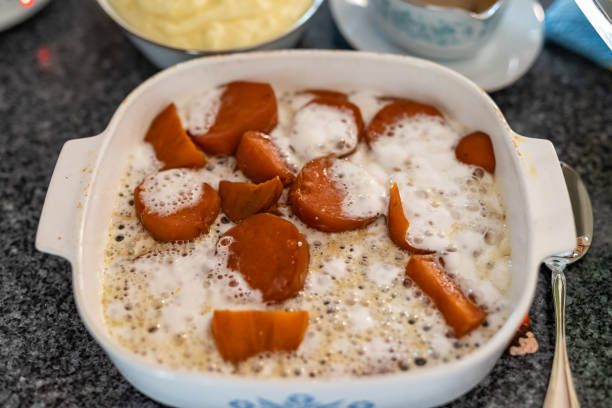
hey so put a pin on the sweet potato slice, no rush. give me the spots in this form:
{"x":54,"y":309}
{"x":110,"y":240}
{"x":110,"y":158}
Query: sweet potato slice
{"x":326,"y":126}
{"x":171,"y":142}
{"x":244,"y":106}
{"x":458,"y":311}
{"x":185,"y":223}
{"x":393,"y":112}
{"x":242,"y":334}
{"x":326,"y":93}
{"x":477,"y":149}
{"x":317,"y":200}
{"x":241,"y":200}
{"x":271,"y":255}
{"x":260,"y":160}
{"x":398,"y":224}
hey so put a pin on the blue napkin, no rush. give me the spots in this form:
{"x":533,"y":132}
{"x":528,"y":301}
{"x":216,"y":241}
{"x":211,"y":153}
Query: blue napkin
{"x":568,"y":27}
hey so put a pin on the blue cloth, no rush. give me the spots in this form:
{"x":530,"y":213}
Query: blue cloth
{"x":568,"y":27}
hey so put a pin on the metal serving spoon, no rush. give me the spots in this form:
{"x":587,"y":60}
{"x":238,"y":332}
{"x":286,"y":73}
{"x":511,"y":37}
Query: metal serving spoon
{"x":561,"y":391}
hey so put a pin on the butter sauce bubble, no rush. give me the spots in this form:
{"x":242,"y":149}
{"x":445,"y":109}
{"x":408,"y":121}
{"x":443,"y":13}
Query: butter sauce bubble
{"x":365,"y":317}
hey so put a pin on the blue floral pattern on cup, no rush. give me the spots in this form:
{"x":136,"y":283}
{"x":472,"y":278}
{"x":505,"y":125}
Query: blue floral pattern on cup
{"x":299,"y":401}
{"x":434,"y":32}
{"x":439,"y":31}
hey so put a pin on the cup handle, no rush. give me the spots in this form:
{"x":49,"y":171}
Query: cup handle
{"x":550,"y":209}
{"x":60,"y":220}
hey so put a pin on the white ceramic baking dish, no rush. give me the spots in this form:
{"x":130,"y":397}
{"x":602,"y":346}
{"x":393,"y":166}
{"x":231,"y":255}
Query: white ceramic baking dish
{"x":75,"y":218}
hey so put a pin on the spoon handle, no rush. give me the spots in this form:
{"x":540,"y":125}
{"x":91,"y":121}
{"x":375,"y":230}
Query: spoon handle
{"x":561,"y":393}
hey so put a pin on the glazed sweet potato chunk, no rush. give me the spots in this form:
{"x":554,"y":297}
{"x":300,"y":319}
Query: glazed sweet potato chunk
{"x":242,"y":334}
{"x":393,"y":112}
{"x":241,"y":200}
{"x":270,"y":253}
{"x":326,"y":93}
{"x":477,"y":149}
{"x":458,"y":311}
{"x":184,"y":223}
{"x":318,"y":200}
{"x":244,"y":106}
{"x":398,"y":224}
{"x":171,"y":142}
{"x":260,"y":160}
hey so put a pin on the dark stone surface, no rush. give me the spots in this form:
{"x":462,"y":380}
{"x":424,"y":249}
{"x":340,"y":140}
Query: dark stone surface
{"x":62,"y":75}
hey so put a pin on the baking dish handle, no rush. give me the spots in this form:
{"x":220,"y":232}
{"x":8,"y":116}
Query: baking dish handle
{"x":551,"y":216}
{"x":61,"y":214}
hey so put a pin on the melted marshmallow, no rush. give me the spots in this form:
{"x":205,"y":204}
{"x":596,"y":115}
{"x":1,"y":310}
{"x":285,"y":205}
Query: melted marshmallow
{"x":418,"y":153}
{"x":319,"y":130}
{"x":364,"y":195}
{"x":369,"y":103}
{"x":451,"y":206}
{"x":198,"y":113}
{"x":365,"y":318}
{"x":170,"y":191}
{"x":144,"y":158}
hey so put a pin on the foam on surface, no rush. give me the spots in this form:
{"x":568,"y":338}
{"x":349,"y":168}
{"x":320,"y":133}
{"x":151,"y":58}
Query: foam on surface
{"x":364,"y":316}
{"x":171,"y":191}
{"x":198,"y":113}
{"x":364,"y":195}
{"x":319,"y":130}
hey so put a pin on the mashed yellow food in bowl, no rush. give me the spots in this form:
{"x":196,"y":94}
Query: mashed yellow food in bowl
{"x":211,"y":24}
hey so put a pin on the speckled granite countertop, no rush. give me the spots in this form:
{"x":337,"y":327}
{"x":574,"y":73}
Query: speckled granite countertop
{"x":62,"y":75}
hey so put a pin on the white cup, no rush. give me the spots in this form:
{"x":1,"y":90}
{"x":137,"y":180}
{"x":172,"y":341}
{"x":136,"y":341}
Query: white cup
{"x":437,"y":32}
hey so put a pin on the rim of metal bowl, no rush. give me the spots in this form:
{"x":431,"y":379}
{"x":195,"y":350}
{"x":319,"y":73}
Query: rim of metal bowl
{"x":483,"y":15}
{"x":110,"y":11}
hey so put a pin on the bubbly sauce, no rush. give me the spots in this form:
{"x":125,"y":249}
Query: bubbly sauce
{"x":365,"y":317}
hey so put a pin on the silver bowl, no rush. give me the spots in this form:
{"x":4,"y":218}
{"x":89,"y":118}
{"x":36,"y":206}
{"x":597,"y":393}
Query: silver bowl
{"x":163,"y":55}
